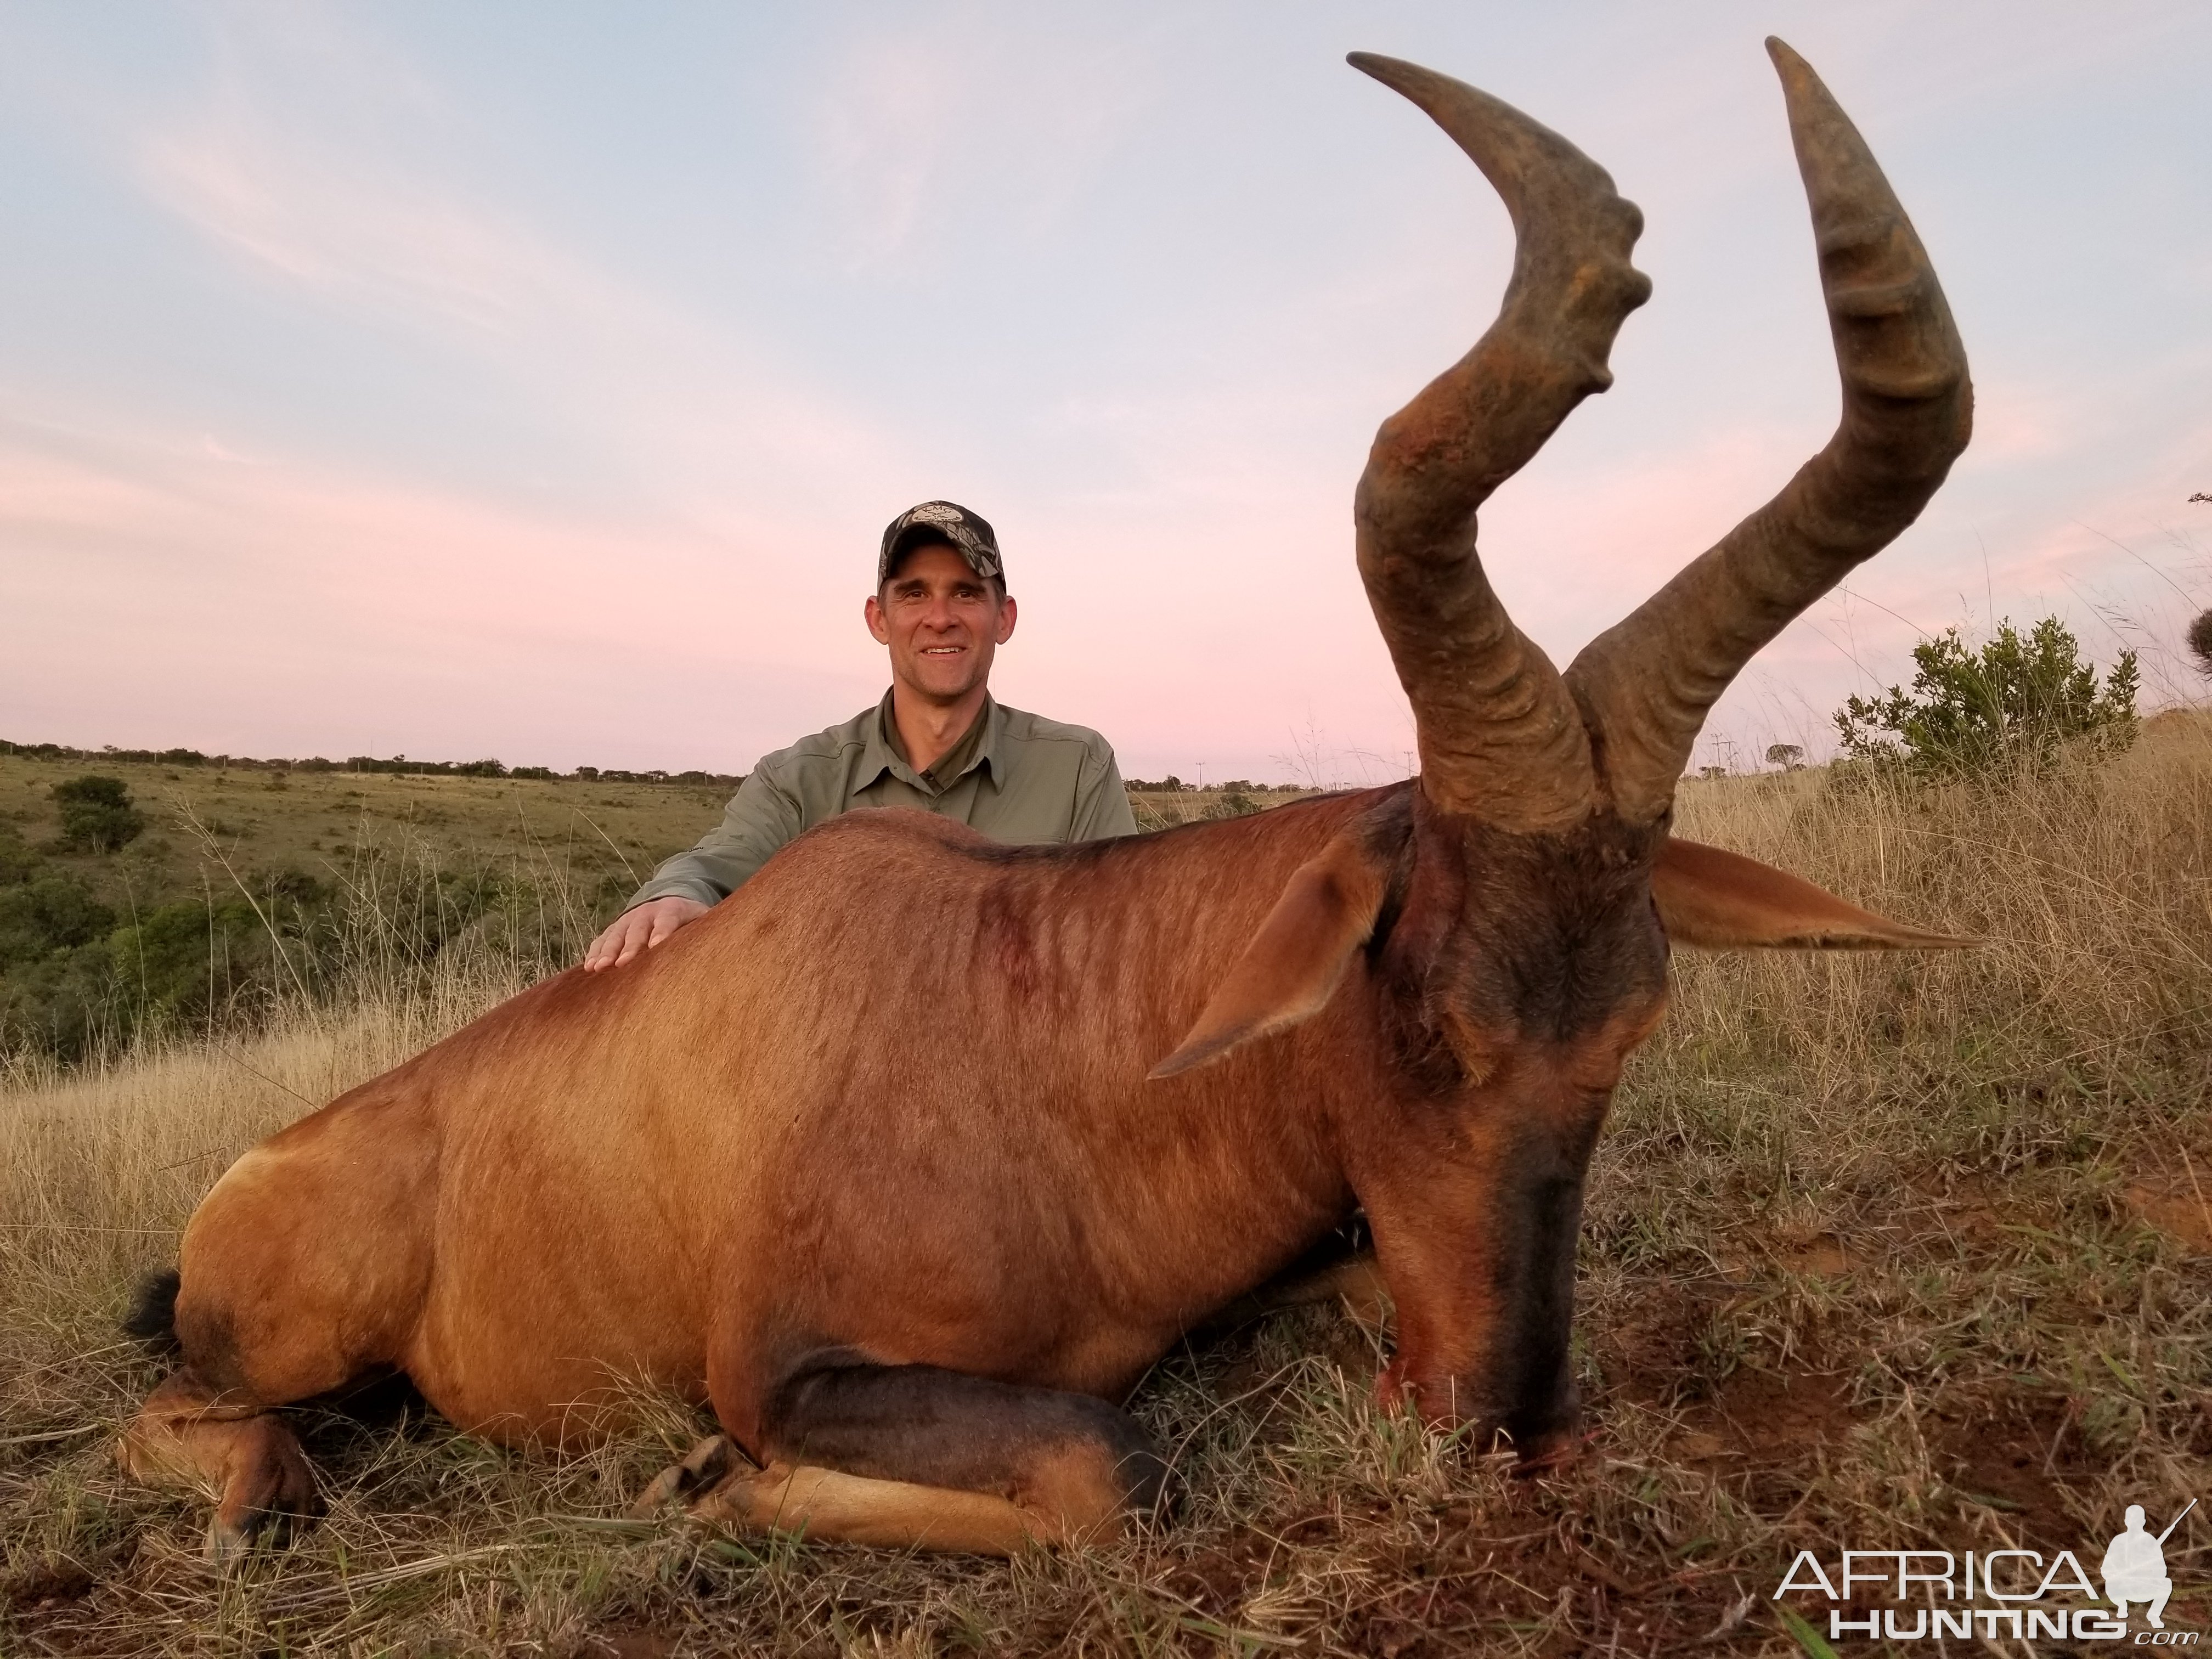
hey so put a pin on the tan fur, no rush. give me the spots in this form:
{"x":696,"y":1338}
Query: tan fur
{"x":832,"y":1507}
{"x":1068,"y":1497}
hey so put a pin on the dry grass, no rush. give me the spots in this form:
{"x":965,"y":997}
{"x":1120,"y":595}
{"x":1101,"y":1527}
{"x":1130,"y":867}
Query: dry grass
{"x":1882,"y":1252}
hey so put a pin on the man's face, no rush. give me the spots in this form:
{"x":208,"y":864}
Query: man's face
{"x":942,"y":622}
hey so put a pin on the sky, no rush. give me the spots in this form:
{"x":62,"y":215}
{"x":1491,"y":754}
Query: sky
{"x":534,"y":380}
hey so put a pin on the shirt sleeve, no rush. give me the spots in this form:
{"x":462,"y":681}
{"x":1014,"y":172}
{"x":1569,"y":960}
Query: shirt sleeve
{"x":1102,"y":804}
{"x":760,"y":818}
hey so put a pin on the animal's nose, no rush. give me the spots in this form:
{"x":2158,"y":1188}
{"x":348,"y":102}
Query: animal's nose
{"x":1556,"y":1439}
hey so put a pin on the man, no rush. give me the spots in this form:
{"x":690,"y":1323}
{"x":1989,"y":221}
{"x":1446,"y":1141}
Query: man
{"x":937,"y":741}
{"x":2135,"y":1569}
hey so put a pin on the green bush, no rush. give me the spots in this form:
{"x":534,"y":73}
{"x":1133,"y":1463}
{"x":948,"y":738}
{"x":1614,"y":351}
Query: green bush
{"x":58,"y":1004}
{"x":97,"y":816}
{"x":1236,"y":804}
{"x":2018,"y":699}
{"x":78,"y":977}
{"x":180,"y":962}
{"x":70,"y":975}
{"x":48,"y":914}
{"x":17,"y":861}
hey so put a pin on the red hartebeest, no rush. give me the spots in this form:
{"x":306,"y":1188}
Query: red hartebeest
{"x":912,"y":1258}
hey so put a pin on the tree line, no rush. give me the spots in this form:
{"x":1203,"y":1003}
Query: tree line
{"x":397,"y":765}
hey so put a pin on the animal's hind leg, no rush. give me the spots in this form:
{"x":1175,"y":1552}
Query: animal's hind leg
{"x":221,"y":1443}
{"x":247,"y":1348}
{"x":212,"y":1426}
{"x":300,"y":1272}
{"x":914,"y":1457}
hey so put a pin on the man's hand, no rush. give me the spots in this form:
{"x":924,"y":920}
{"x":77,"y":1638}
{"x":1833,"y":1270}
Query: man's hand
{"x":638,"y":930}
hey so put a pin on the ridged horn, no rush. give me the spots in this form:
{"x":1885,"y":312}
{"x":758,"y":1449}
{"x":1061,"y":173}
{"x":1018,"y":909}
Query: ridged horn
{"x":1646,"y":684}
{"x":1500,"y":738}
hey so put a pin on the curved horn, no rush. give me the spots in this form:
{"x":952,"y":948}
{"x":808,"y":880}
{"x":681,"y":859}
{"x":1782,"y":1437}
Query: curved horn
{"x":1500,"y":738}
{"x":1646,"y":684}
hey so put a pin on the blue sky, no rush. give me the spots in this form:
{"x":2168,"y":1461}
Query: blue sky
{"x":535,"y":380}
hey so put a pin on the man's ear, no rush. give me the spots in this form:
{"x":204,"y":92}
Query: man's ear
{"x":1717,"y":900}
{"x":1290,"y":969}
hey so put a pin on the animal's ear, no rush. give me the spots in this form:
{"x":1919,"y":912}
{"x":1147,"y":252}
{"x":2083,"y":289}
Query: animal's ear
{"x":1717,"y":900}
{"x":1292,"y":967}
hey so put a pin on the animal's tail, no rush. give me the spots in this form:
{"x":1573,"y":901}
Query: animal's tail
{"x":153,"y":1316}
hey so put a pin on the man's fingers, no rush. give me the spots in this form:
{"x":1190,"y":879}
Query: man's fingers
{"x":667,"y":915}
{"x":638,"y":930}
{"x":613,"y":947}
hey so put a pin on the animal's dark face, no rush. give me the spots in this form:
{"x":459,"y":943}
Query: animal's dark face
{"x":1519,"y":953}
{"x":1519,"y":972}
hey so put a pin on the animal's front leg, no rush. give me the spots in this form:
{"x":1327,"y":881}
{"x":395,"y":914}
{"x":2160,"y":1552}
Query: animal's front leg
{"x":1477,"y":1247}
{"x":916,"y":1457}
{"x":1338,"y":1272}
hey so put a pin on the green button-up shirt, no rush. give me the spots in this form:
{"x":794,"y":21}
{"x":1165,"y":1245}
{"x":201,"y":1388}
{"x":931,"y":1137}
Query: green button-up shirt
{"x":1014,"y":777}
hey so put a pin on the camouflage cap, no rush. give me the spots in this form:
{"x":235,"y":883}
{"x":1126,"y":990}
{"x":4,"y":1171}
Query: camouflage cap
{"x":942,"y":521}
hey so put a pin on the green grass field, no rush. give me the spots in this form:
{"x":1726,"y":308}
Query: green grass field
{"x":316,"y":823}
{"x":1880,"y":1253}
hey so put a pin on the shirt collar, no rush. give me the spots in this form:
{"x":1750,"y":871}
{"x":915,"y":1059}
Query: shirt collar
{"x":879,"y":750}
{"x":993,"y":720}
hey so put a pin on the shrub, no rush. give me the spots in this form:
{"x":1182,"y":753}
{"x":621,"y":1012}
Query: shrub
{"x":17,"y":861}
{"x":97,"y":816}
{"x":56,"y":1004}
{"x":180,"y":962}
{"x":48,"y":914}
{"x":2019,"y":699}
{"x":2200,"y":642}
{"x":1234,"y":804}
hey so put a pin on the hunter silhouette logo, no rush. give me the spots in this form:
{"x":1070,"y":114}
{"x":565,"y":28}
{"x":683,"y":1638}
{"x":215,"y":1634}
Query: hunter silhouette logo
{"x":2135,"y":1566}
{"x":1995,"y":1594}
